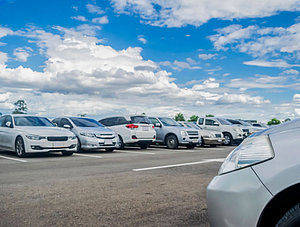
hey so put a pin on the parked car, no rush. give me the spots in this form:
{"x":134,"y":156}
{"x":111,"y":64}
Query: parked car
{"x":90,"y":133}
{"x":131,"y":130}
{"x":259,"y":182}
{"x":212,"y":138}
{"x":25,"y":134}
{"x":247,"y":129}
{"x":172,"y":134}
{"x":232,"y":133}
{"x":261,"y":126}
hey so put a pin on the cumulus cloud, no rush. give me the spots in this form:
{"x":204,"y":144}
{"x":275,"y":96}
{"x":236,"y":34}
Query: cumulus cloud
{"x":22,"y":53}
{"x":206,"y":56}
{"x":94,"y":9}
{"x":180,"y":65}
{"x":100,"y":20}
{"x":290,"y":72}
{"x":5,"y":31}
{"x":142,"y":39}
{"x":275,"y":63}
{"x":3,"y":58}
{"x":177,"y":13}
{"x":79,"y":18}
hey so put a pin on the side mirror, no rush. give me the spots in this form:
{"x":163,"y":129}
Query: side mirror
{"x":8,"y":124}
{"x":157,"y":125}
{"x":216,"y":124}
{"x":67,"y":126}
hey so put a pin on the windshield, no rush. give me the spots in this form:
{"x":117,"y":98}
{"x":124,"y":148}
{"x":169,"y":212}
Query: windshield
{"x":32,"y":121}
{"x":245,"y":123}
{"x":85,"y":122}
{"x":168,"y":121}
{"x":234,"y":122}
{"x":223,"y":121}
{"x":140,"y":120}
{"x":193,"y":125}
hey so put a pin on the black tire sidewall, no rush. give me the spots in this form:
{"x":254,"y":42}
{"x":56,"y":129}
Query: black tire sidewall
{"x":168,"y":143}
{"x":23,"y":153}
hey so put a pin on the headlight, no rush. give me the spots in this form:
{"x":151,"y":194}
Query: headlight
{"x":183,"y":133}
{"x":238,"y":130}
{"x":87,"y":134}
{"x":72,"y":137}
{"x":35,"y":137}
{"x":252,"y":151}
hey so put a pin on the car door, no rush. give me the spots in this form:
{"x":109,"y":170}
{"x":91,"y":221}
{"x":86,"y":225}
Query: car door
{"x":7,"y":133}
{"x":158,"y":130}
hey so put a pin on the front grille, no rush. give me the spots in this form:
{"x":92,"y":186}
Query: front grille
{"x":194,"y":138}
{"x":245,"y":130}
{"x":192,"y":133}
{"x":218,"y":135}
{"x":57,"y":138}
{"x":105,"y":136}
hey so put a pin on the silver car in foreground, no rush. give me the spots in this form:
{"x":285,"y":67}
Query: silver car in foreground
{"x":90,"y":133}
{"x":32,"y":134}
{"x":259,"y":182}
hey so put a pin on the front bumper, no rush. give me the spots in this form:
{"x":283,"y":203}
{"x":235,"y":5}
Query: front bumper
{"x":186,"y":140}
{"x":236,"y":199}
{"x":38,"y":146}
{"x":90,"y":143}
{"x":213,"y":141}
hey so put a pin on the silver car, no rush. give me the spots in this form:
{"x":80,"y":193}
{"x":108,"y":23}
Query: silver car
{"x":90,"y":133}
{"x":259,"y":182}
{"x":172,"y":134}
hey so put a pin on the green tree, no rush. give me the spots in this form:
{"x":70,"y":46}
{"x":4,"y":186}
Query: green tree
{"x":179,"y":117}
{"x":274,"y":121}
{"x":194,"y":118}
{"x":286,"y":120}
{"x":81,"y":115}
{"x":210,"y":115}
{"x":21,"y":107}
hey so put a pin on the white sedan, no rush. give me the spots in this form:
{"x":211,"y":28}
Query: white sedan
{"x":32,"y":134}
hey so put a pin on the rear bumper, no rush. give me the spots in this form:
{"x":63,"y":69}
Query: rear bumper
{"x":236,"y":199}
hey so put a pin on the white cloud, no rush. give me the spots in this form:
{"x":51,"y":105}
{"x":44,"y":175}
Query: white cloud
{"x":242,"y":98}
{"x":101,"y":20}
{"x":259,"y":41}
{"x":180,"y":65}
{"x":142,"y":39}
{"x":275,"y":63}
{"x":94,"y":9}
{"x":207,"y":84}
{"x":177,"y":13}
{"x":22,"y":53}
{"x":206,"y":56}
{"x":79,"y":18}
{"x":296,"y":98}
{"x":3,"y":58}
{"x":5,"y":31}
{"x":291,"y":72}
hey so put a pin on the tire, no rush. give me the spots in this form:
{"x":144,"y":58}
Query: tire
{"x":109,"y":149}
{"x":120,"y":144}
{"x":67,"y":153}
{"x":20,"y":147}
{"x":228,"y":139}
{"x":144,"y":145}
{"x":291,"y":218}
{"x":191,"y":146}
{"x":172,"y":142}
{"x":79,"y":149}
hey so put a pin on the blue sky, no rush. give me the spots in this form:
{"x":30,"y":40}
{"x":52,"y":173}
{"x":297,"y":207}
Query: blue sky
{"x":230,"y":58}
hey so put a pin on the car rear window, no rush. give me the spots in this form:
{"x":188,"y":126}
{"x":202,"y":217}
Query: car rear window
{"x":140,"y":120}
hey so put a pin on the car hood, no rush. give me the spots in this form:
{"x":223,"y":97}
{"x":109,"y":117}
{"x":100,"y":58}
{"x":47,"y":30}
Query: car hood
{"x":44,"y":131}
{"x":93,"y":130}
{"x":295,"y":124}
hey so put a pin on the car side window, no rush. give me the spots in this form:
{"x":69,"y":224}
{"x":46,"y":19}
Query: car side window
{"x":7,"y":119}
{"x":107,"y":121}
{"x":153,"y":120}
{"x":65,"y":121}
{"x":56,"y":121}
{"x":201,"y":120}
{"x":121,"y":121}
{"x":210,"y":122}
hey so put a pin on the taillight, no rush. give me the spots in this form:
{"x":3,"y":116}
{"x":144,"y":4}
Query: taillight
{"x":132,"y":126}
{"x":152,"y":126}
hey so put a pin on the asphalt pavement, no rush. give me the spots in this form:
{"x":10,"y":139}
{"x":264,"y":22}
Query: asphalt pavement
{"x":131,"y":187}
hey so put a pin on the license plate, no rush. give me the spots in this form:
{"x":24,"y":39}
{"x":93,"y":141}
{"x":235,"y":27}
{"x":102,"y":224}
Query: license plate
{"x":107,"y":141}
{"x":58,"y":145}
{"x":219,"y":140}
{"x":145,"y":128}
{"x":195,"y":141}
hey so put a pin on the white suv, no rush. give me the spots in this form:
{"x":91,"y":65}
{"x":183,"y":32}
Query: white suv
{"x":232,"y":133}
{"x":132,"y":130}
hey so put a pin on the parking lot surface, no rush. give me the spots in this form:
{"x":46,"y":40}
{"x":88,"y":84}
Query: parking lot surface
{"x":131,"y":187}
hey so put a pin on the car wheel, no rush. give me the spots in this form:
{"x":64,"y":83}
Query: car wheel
{"x":67,"y":153}
{"x":291,"y":218}
{"x":144,"y":146}
{"x":120,"y":143}
{"x":172,"y":142}
{"x":228,"y":139}
{"x":109,"y":149}
{"x":79,"y":149}
{"x":20,"y":147}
